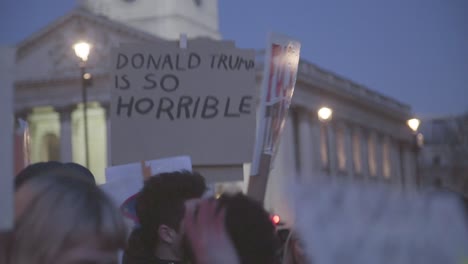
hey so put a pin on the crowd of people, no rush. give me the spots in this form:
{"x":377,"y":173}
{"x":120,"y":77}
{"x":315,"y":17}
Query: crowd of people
{"x":62,"y":216}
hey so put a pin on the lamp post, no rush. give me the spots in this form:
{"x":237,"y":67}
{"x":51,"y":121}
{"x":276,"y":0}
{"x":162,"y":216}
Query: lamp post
{"x":82,"y":50}
{"x":413,"y":124}
{"x":325,"y":114}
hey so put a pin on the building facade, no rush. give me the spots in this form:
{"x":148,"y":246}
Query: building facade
{"x":443,"y":160}
{"x":366,"y":138}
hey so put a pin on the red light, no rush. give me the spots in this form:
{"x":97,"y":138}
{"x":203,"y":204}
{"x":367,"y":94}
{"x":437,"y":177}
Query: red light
{"x":276,"y":219}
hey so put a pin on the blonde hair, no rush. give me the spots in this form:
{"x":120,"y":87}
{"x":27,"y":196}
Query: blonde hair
{"x":65,"y":212}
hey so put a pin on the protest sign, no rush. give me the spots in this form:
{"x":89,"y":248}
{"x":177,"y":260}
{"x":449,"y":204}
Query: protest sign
{"x":123,"y":181}
{"x":198,"y":101}
{"x":279,"y":79}
{"x":224,"y":173}
{"x":7,"y":56}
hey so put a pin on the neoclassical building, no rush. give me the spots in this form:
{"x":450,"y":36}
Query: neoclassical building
{"x":366,"y":138}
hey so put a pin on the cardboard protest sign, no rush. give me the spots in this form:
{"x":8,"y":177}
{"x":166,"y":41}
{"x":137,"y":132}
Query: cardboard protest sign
{"x":124,"y":181}
{"x":224,"y":173}
{"x":198,"y":101}
{"x":279,"y":79}
{"x":7,"y":56}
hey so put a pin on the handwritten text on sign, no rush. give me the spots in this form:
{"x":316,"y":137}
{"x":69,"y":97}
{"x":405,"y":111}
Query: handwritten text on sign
{"x":198,"y":101}
{"x":183,"y":106}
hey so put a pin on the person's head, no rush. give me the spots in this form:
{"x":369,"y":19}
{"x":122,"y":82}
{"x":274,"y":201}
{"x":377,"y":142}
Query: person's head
{"x":41,"y":168}
{"x":25,"y":193}
{"x":161,"y":208}
{"x":34,"y":170}
{"x":250,"y":228}
{"x":70,"y":220}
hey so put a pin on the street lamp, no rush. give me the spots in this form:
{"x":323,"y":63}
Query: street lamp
{"x":413,"y":123}
{"x":418,"y":138}
{"x":325,"y":114}
{"x":82,"y":50}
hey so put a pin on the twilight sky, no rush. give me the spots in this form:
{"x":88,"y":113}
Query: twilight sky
{"x":415,"y":51}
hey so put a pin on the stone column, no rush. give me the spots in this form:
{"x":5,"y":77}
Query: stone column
{"x":401,"y":161}
{"x":364,"y":152}
{"x":332,"y":159}
{"x":395,"y":169}
{"x":379,"y":155}
{"x":316,"y":160}
{"x":65,"y":132}
{"x":348,"y":150}
{"x":305,"y":144}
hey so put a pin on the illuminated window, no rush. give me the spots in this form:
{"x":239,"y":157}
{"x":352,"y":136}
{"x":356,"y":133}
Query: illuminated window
{"x":386,"y":158}
{"x":371,"y":152}
{"x":324,"y":145}
{"x":357,"y":153}
{"x":341,"y":149}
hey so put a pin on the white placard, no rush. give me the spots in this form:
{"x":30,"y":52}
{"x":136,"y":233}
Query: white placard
{"x":126,"y":180}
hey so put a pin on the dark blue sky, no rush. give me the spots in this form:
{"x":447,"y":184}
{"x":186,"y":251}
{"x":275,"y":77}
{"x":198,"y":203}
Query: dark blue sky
{"x":413,"y":50}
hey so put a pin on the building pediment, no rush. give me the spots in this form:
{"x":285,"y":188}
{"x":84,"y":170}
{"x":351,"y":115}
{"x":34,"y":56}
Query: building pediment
{"x":49,"y":55}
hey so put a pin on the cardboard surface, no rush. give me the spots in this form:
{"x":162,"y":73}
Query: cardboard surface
{"x":192,"y":104}
{"x":216,"y":174}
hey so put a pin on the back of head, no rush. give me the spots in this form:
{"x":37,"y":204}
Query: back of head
{"x":161,"y":201}
{"x":67,"y":211}
{"x":250,"y":229}
{"x":34,"y":170}
{"x":45,"y":168}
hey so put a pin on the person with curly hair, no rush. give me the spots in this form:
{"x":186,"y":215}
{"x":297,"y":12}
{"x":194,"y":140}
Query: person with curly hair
{"x":160,"y":209}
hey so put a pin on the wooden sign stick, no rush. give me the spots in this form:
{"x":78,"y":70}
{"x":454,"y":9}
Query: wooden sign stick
{"x":258,"y":183}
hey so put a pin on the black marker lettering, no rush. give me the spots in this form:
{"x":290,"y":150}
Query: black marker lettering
{"x":141,"y":108}
{"x":226,"y":110}
{"x":138,"y":61}
{"x":213,"y":106}
{"x":244,"y":107}
{"x":152,"y":84}
{"x":121,"y":105}
{"x":122,"y":61}
{"x":184,"y":102}
{"x":166,"y":109}
{"x":169,"y":83}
